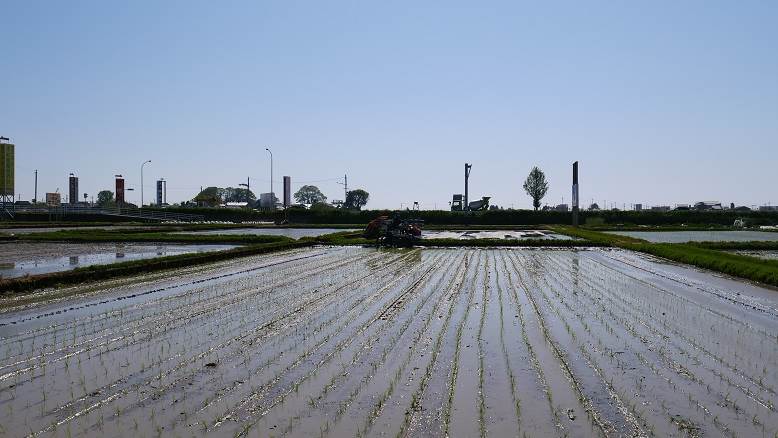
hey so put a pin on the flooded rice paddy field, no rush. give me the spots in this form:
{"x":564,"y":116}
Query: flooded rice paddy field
{"x":700,"y":236}
{"x":499,"y":234}
{"x":20,"y":258}
{"x":294,"y":233}
{"x":420,"y":342}
{"x":30,"y":230}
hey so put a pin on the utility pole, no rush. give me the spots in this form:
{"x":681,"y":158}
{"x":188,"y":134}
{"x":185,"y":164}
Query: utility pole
{"x":575,"y":194}
{"x":141,"y":181}
{"x":466,"y":207}
{"x":272,"y":196}
{"x":345,"y":187}
{"x":35,"y":198}
{"x":247,"y":186}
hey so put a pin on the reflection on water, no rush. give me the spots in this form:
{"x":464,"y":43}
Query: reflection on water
{"x":48,"y":264}
{"x":700,"y":236}
{"x":294,"y":233}
{"x":498,"y":234}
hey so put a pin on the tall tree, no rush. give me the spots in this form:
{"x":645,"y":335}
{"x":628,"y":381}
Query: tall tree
{"x":209,"y":197}
{"x":233,"y":194}
{"x":356,"y":199}
{"x":536,"y":186}
{"x":310,"y":195}
{"x":105,"y":199}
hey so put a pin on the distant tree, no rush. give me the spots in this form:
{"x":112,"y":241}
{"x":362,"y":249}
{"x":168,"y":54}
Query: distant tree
{"x":536,"y":186}
{"x":356,"y":199}
{"x":321,"y":206}
{"x":232,"y":194}
{"x":105,"y":199}
{"x":594,"y":206}
{"x":310,"y":195}
{"x":209,"y":197}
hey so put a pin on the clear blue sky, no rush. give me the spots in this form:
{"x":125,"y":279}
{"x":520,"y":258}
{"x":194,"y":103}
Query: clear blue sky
{"x":661,"y":101}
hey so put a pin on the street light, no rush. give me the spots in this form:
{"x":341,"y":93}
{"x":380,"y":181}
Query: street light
{"x":141,"y":181}
{"x":272,"y":197}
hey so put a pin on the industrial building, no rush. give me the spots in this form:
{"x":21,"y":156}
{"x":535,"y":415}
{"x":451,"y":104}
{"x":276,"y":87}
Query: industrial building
{"x":73,"y":189}
{"x":7,"y":174}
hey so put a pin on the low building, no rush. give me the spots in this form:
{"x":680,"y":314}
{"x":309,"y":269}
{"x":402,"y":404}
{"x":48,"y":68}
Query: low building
{"x":236,"y":204}
{"x":768,"y":208}
{"x":267,"y":200}
{"x":53,"y":199}
{"x":708,"y":206}
{"x":562,"y":207}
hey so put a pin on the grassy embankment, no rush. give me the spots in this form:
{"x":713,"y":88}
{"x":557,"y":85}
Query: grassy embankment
{"x":697,"y":254}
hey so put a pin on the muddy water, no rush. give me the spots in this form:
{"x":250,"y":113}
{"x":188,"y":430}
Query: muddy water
{"x":20,"y":258}
{"x":419,"y":342}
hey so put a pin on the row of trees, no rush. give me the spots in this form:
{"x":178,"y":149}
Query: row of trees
{"x":311,"y":195}
{"x":214,"y":196}
{"x":307,"y":194}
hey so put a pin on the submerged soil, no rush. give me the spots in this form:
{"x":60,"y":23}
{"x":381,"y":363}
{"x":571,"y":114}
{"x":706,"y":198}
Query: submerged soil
{"x":418,"y":342}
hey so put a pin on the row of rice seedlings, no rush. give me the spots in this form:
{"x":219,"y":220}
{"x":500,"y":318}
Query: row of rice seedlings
{"x":181,"y":364}
{"x":385,"y":324}
{"x":324,"y":328}
{"x":457,"y":351}
{"x":415,"y":344}
{"x":561,"y":356}
{"x":147,"y":352}
{"x":533,"y":356}
{"x":661,"y":333}
{"x":479,"y":337}
{"x":415,"y":404}
{"x":742,"y":305}
{"x":633,"y":418}
{"x":92,"y":319}
{"x":145,"y":307}
{"x":347,"y":340}
{"x":152,"y":324}
{"x":735,"y":370}
{"x":650,"y":364}
{"x":372,"y":367}
{"x":281,"y":353}
{"x":503,"y":346}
